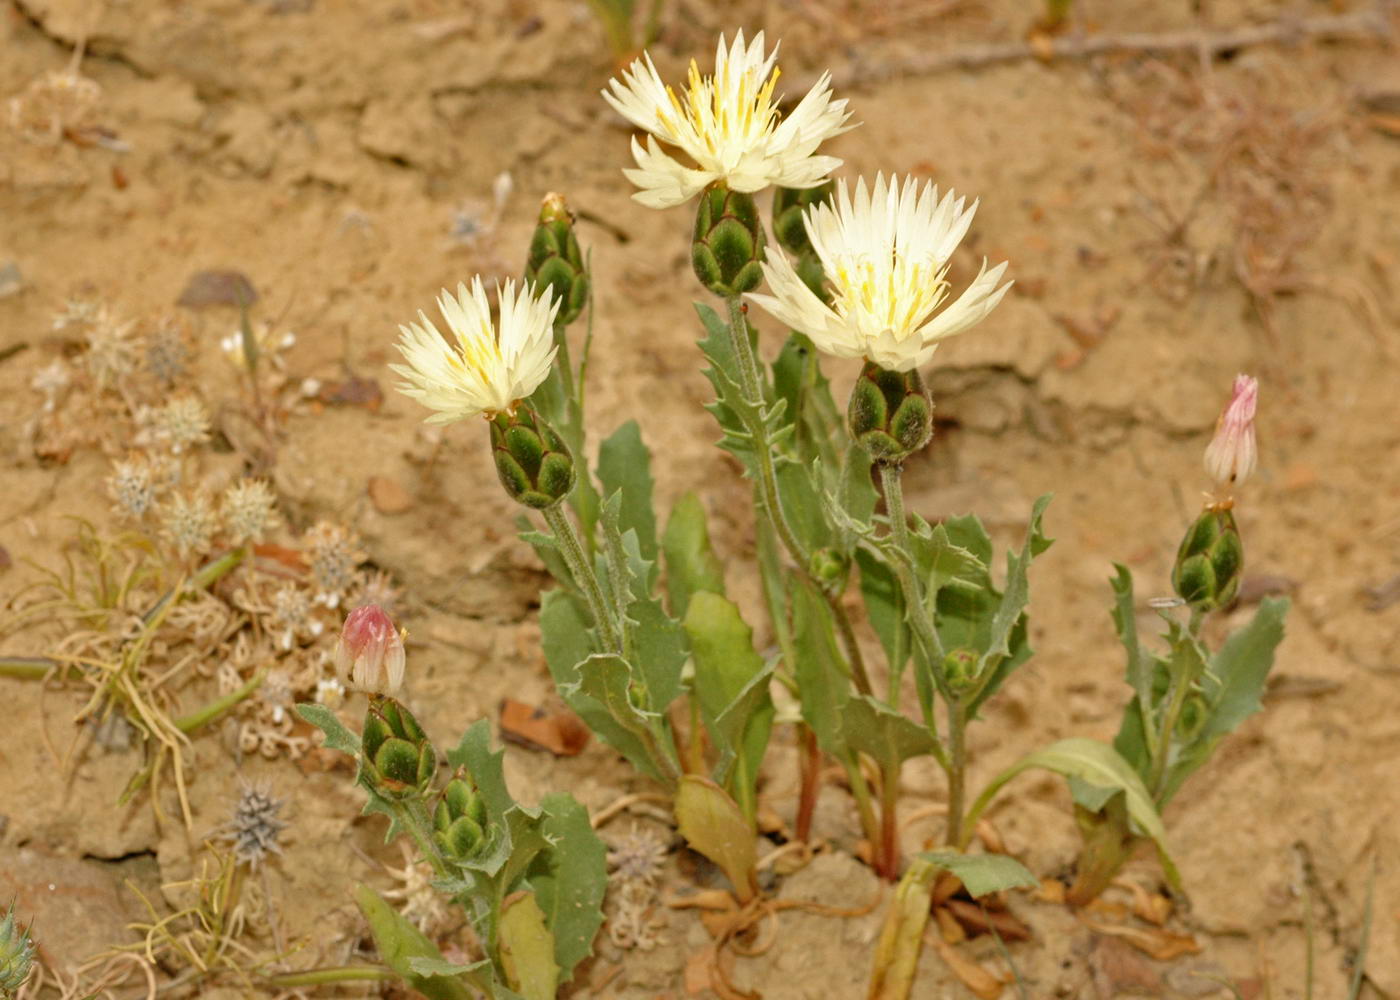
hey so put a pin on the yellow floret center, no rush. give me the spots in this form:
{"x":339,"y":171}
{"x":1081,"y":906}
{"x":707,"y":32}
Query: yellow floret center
{"x":897,"y":294}
{"x":718,"y":115}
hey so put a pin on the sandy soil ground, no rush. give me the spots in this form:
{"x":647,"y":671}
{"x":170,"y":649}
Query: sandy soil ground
{"x":1169,"y":220}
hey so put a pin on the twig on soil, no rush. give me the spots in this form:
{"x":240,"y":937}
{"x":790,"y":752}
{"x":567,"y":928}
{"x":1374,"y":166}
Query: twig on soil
{"x":618,"y":806}
{"x":1367,"y":25}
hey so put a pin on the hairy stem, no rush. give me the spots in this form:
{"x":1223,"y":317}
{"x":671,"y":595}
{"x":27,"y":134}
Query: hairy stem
{"x":582,"y":569}
{"x":751,"y":387}
{"x":957,"y":770}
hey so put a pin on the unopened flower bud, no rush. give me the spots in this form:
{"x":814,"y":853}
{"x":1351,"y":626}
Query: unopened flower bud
{"x":370,"y":651}
{"x":789,"y":206}
{"x":395,"y":753}
{"x":829,"y":566}
{"x":555,"y":260}
{"x":890,"y":413}
{"x":459,"y":821}
{"x":16,"y":954}
{"x":533,"y":463}
{"x":1210,"y":561}
{"x":727,"y":252}
{"x":1232,"y":454}
{"x":960,"y":668}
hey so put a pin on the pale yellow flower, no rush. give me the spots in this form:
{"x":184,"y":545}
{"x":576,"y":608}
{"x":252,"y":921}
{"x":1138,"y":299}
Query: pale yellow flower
{"x":728,"y":124}
{"x":885,"y":253}
{"x":490,"y":367}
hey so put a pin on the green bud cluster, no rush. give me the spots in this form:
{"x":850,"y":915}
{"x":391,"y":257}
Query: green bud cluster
{"x":829,"y":567}
{"x":1210,"y":561}
{"x":459,"y":821}
{"x":728,"y":247}
{"x":789,"y":204}
{"x":395,"y":753}
{"x":533,"y":462}
{"x":890,"y":413}
{"x":16,"y":954}
{"x":555,"y":260}
{"x":960,"y":668}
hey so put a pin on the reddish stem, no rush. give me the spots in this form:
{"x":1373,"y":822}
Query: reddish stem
{"x":811,"y":769}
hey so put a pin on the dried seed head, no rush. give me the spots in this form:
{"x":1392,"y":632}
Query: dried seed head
{"x":292,"y":613}
{"x":370,"y":652}
{"x":133,"y":486}
{"x":168,"y":353}
{"x":182,"y":422}
{"x":52,"y":381}
{"x":248,"y":510}
{"x":277,"y":693}
{"x":189,"y":522}
{"x":255,"y":825}
{"x":332,"y":552}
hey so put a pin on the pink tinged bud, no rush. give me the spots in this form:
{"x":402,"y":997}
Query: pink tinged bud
{"x":370,"y":651}
{"x":1231,"y":454}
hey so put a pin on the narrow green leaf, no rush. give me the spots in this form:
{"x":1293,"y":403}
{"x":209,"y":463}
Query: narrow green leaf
{"x":399,"y":942}
{"x":337,"y":736}
{"x":1098,"y":764}
{"x":822,"y":686}
{"x":570,"y":880}
{"x":982,"y":874}
{"x":624,"y":465}
{"x":1140,"y":664}
{"x":691,"y":563}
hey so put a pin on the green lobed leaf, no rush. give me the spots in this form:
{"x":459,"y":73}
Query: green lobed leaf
{"x":691,"y":563}
{"x":800,"y":497}
{"x":338,"y":737}
{"x":872,"y":727}
{"x":729,"y":409}
{"x":884,"y":606}
{"x":400,"y":943}
{"x":982,"y":874}
{"x":605,"y":682}
{"x":513,"y":840}
{"x":547,"y":549}
{"x":570,"y":880}
{"x":798,"y":381}
{"x":1097,"y":764}
{"x":661,"y":651}
{"x":624,"y":465}
{"x":1141,"y":665}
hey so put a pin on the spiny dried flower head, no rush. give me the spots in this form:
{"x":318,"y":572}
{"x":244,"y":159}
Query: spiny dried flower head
{"x":728,"y":124}
{"x":333,"y":553}
{"x":292,"y":614}
{"x":638,"y":857}
{"x":248,"y":510}
{"x":133,"y":486}
{"x":370,"y":652}
{"x":885,"y":253}
{"x":182,"y":422}
{"x":490,"y":367}
{"x":277,"y":693}
{"x":1232,"y":452}
{"x":53,"y":105}
{"x":378,"y":588}
{"x":255,"y":825}
{"x":52,"y":381}
{"x":189,"y":522}
{"x":112,"y":351}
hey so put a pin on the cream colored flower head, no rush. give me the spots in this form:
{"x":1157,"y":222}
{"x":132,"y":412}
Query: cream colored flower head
{"x":728,"y":124}
{"x":885,"y":253}
{"x":488,"y":368}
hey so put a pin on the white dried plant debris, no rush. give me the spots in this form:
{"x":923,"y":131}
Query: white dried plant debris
{"x":635,"y":863}
{"x":293,"y":616}
{"x":181,"y":423}
{"x":422,"y":905}
{"x":267,"y":347}
{"x":333,"y":553}
{"x":133,"y":487}
{"x":168,"y":353}
{"x":330,"y":692}
{"x":188,"y":522}
{"x":256,"y":825}
{"x":276,"y":695}
{"x":248,"y":510}
{"x":76,"y":312}
{"x":53,"y":105}
{"x":52,"y":382}
{"x":113,"y":352}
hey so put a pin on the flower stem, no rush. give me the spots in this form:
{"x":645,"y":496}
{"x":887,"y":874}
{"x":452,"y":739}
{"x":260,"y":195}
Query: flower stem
{"x":811,"y":770}
{"x":903,"y":563}
{"x":338,"y":974}
{"x":201,"y":716}
{"x":957,"y":770}
{"x":584,"y":574}
{"x":887,"y":853}
{"x":751,"y":387}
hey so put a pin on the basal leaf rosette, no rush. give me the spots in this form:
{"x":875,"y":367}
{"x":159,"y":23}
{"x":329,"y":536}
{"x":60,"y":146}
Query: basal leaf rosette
{"x":885,"y":253}
{"x":727,"y":125}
